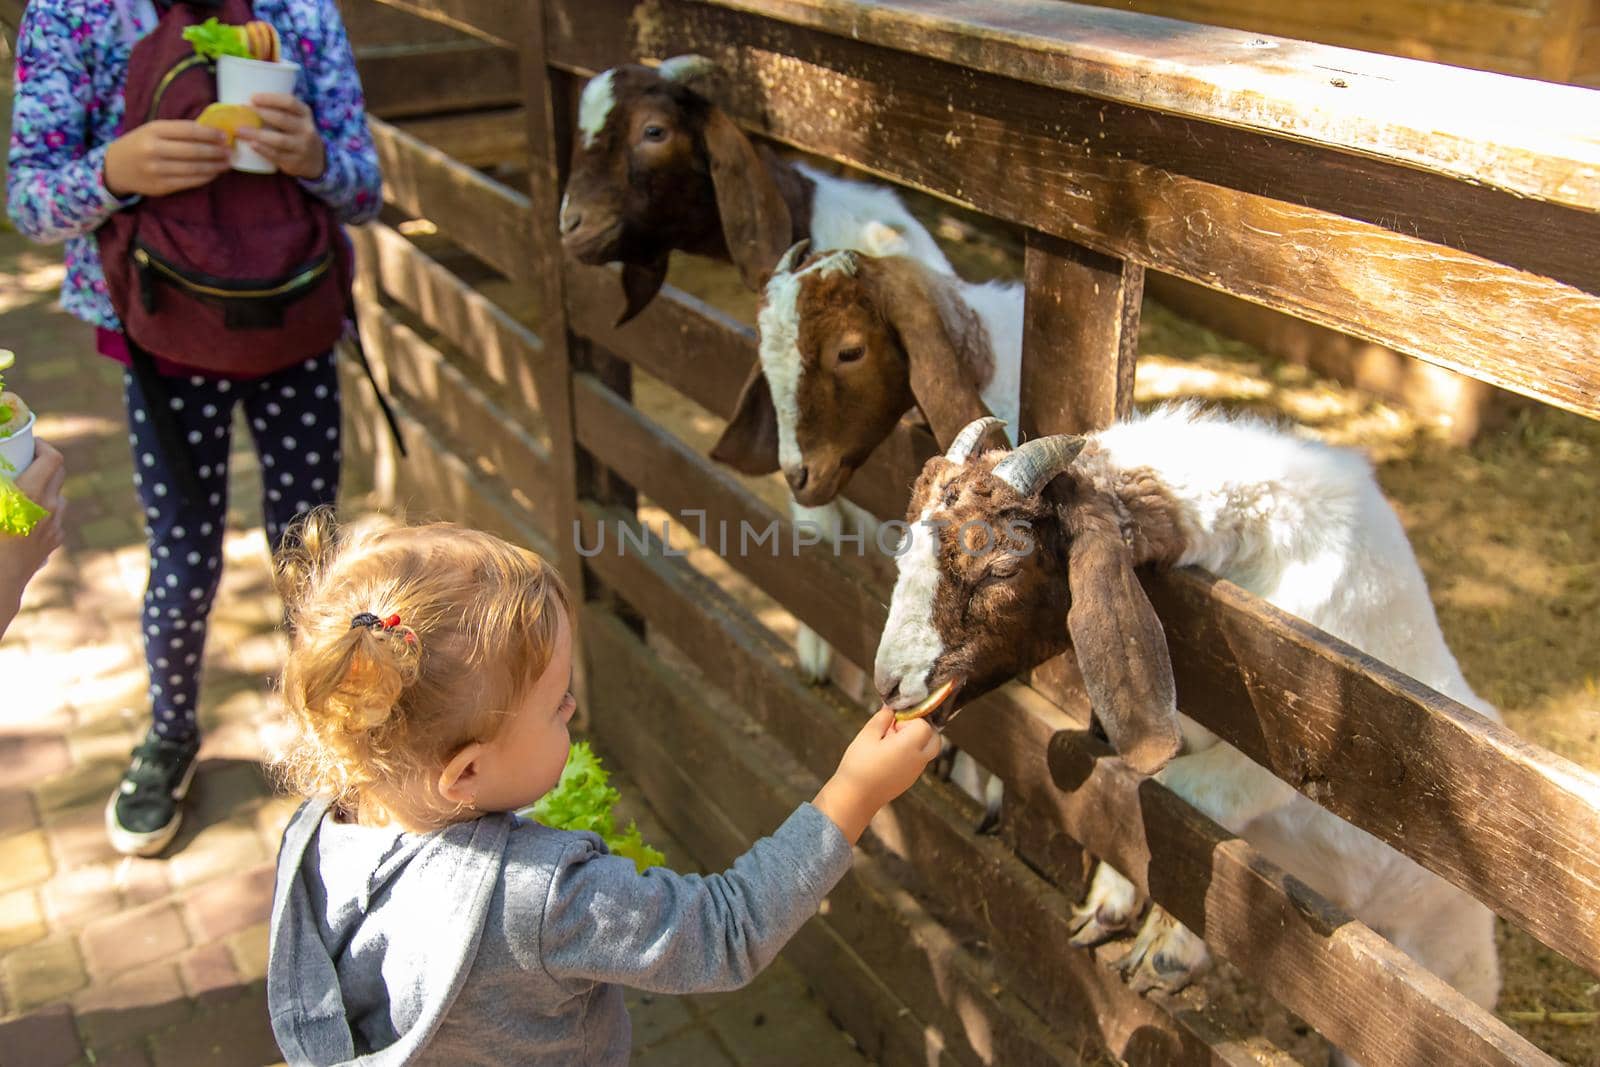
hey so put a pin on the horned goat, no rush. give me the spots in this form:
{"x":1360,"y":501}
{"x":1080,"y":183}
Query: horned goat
{"x":1301,"y":525}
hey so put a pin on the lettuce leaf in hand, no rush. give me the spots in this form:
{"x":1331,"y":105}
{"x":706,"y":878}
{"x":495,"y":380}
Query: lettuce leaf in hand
{"x":18,"y":514}
{"x":213,"y":39}
{"x":583,"y":799}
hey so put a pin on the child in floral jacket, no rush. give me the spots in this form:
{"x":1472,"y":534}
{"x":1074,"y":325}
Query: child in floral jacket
{"x":69,"y":172}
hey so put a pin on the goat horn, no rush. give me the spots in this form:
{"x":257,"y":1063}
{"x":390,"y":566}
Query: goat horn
{"x":685,"y":69}
{"x":971,"y":435}
{"x":1032,"y":465}
{"x":792,"y":258}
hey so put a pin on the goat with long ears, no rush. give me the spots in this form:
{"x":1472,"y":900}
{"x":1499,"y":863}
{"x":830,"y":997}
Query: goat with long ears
{"x":1016,"y":556}
{"x":850,"y":342}
{"x":975,"y":624}
{"x":657,"y":166}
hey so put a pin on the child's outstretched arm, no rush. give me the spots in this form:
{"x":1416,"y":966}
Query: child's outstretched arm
{"x":671,"y":933}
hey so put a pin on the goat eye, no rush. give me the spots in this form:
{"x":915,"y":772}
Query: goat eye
{"x":655,"y":133}
{"x":850,"y":355}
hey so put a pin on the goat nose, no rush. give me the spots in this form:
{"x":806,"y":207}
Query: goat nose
{"x":798,"y":477}
{"x":891,"y":694}
{"x":570,"y":220}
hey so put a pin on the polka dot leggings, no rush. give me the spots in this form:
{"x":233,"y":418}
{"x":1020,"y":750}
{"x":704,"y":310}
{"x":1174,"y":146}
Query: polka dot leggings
{"x":294,"y":421}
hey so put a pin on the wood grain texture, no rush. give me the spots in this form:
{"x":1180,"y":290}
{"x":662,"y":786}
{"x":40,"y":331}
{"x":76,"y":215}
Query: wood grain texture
{"x":1080,"y":340}
{"x":471,"y":424}
{"x":1530,"y":138}
{"x":1020,"y":916}
{"x":477,"y":138}
{"x":402,"y":80}
{"x":431,"y":483}
{"x":497,"y":346}
{"x":496,"y":21}
{"x":488,"y":219}
{"x":1482,"y":35}
{"x":1473,"y":279}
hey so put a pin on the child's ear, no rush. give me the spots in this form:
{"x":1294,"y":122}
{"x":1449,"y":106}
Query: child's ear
{"x":458,"y":782}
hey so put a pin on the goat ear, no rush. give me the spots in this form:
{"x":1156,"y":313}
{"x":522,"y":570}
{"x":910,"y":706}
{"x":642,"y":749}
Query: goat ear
{"x":640,"y":283}
{"x":942,"y":363}
{"x":1121,"y":648}
{"x":755,"y":219}
{"x":749,"y":444}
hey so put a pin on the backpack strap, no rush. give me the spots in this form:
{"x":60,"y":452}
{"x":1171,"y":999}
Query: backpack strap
{"x":352,"y":334}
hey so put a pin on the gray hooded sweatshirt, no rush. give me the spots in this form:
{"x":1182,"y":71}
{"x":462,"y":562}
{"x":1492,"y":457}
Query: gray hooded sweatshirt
{"x":502,"y":941}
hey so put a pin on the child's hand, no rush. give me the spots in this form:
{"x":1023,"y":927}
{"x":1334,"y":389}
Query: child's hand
{"x":288,"y":137}
{"x":881,"y":763}
{"x":165,"y":156}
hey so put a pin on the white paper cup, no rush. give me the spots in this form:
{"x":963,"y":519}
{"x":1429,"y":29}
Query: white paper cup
{"x":17,"y":450}
{"x":238,"y":79}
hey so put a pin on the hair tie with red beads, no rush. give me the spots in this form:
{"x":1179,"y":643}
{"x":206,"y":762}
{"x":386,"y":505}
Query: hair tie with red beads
{"x":372,"y":622}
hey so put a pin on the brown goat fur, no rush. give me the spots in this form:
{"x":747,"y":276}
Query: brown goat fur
{"x":874,"y":337}
{"x":668,"y":169}
{"x":1011,"y":566}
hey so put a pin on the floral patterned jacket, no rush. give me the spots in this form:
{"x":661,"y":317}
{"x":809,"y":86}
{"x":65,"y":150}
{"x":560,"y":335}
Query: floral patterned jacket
{"x":72,"y":62}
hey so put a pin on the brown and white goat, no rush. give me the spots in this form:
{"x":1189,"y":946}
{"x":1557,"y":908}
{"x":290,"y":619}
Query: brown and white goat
{"x":657,"y":166}
{"x":851,"y":342}
{"x":1299,"y":524}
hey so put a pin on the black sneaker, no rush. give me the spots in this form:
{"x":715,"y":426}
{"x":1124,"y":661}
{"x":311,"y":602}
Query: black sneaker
{"x":144,"y":813}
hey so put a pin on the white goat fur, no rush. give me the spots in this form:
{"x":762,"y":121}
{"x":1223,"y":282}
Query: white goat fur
{"x":1306,"y":528}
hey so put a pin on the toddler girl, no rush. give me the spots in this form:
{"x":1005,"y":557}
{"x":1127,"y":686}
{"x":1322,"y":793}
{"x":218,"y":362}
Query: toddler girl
{"x":416,"y":917}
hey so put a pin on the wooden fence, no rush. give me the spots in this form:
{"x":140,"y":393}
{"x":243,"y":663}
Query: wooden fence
{"x":1448,"y":214}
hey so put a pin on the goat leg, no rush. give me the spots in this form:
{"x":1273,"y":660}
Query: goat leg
{"x":1166,"y":955}
{"x":1108,"y":909}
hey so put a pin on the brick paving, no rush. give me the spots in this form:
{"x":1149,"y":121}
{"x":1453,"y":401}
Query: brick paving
{"x":112,"y":960}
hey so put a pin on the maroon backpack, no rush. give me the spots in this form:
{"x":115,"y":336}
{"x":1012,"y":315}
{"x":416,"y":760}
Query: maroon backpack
{"x":242,"y":276}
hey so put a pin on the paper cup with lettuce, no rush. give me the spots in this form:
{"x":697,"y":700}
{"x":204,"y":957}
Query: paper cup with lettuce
{"x":18,"y":514}
{"x":248,"y":62}
{"x":583,"y":800}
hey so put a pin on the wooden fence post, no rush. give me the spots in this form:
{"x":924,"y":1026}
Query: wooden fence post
{"x":1080,"y":337}
{"x":1080,"y":343}
{"x":549,"y":111}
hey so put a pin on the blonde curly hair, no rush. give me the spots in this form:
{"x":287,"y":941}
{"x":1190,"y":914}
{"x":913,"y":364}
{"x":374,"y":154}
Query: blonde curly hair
{"x":378,"y":710}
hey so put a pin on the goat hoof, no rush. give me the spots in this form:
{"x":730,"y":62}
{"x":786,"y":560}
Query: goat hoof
{"x":1160,"y":973}
{"x":1095,"y":926}
{"x":1166,"y":956}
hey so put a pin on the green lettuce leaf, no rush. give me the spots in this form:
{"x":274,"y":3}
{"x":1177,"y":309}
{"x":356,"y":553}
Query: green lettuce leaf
{"x":213,"y":39}
{"x":583,"y":799}
{"x":630,"y":845}
{"x":18,"y":514}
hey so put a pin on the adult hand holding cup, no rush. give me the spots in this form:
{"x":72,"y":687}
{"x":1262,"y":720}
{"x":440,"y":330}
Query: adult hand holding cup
{"x":240,"y":81}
